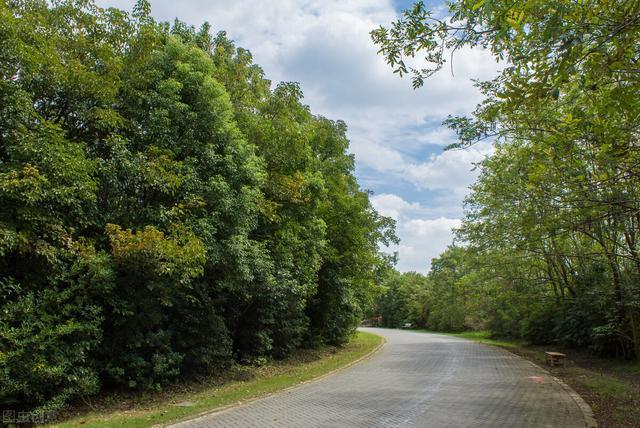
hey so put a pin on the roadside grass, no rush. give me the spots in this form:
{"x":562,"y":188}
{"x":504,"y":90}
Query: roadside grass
{"x":611,"y":387}
{"x":484,"y":336}
{"x":631,"y":368}
{"x":608,"y":386}
{"x":236,"y":385}
{"x":481,"y":336}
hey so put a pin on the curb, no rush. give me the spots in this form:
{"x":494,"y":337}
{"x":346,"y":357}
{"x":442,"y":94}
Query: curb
{"x":587,"y":412}
{"x":287,"y":389}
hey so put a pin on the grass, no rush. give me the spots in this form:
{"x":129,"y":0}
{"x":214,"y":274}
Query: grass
{"x":239,"y":384}
{"x":482,"y":336}
{"x":607,"y":385}
{"x":629,"y":368}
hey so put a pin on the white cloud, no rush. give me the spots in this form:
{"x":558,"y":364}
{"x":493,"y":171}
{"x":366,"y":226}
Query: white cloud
{"x":440,"y":136}
{"x":452,"y":169}
{"x":382,"y":159}
{"x":394,"y":206}
{"x":426,"y":231}
{"x":421,"y":238}
{"x":423,"y":241}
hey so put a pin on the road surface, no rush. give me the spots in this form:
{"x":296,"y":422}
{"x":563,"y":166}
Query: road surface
{"x":417,"y":380}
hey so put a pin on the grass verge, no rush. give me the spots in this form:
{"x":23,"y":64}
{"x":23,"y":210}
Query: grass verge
{"x":238,"y":384}
{"x":485,"y":338}
{"x":610,"y":387}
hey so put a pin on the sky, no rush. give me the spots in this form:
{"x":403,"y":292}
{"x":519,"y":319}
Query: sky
{"x":395,"y":131}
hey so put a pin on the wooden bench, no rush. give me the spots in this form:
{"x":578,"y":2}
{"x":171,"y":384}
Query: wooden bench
{"x":555,"y":358}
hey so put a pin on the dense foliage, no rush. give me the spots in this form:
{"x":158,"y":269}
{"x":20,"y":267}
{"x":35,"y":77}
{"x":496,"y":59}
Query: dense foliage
{"x":164,"y":210}
{"x":445,"y":299}
{"x":550,"y":239}
{"x":402,"y":301}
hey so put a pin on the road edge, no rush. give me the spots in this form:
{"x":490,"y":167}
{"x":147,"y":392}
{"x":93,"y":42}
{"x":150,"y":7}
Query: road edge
{"x":248,"y":401}
{"x":587,"y":411}
{"x":585,"y":408}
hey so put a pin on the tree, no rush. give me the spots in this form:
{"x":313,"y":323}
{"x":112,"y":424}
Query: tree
{"x":404,"y":300}
{"x":559,"y":196}
{"x":164,"y":211}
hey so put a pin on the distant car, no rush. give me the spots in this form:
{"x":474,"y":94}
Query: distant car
{"x":407,"y":325}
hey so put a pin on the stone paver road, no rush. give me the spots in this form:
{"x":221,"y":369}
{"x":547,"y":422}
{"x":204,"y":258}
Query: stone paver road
{"x":421,"y":380}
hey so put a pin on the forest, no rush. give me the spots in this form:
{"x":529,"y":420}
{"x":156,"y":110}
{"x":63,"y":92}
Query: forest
{"x":549,"y":247}
{"x":165,"y":210}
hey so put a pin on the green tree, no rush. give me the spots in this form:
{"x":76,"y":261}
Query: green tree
{"x":404,"y":300}
{"x":164,"y":212}
{"x":558,"y":201}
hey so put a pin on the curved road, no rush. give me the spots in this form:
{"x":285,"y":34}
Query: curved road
{"x":418,"y":380}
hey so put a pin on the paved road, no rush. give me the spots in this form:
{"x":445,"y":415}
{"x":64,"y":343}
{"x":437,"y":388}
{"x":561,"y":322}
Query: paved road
{"x":417,"y":380}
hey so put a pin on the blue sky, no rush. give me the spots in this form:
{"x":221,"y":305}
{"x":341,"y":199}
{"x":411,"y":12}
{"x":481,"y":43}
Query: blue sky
{"x":395,"y":132}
